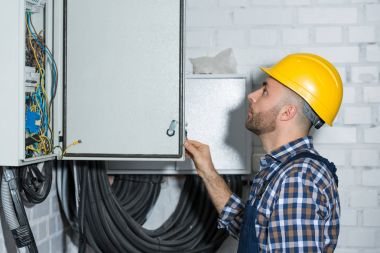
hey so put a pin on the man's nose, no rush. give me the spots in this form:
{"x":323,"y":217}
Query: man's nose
{"x":252,"y":97}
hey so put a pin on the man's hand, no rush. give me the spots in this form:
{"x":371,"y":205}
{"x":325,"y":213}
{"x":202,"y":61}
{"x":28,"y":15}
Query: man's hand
{"x":216,"y":187}
{"x":200,"y":154}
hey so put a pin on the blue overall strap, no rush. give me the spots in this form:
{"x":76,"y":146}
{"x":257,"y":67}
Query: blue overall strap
{"x":330,"y":166}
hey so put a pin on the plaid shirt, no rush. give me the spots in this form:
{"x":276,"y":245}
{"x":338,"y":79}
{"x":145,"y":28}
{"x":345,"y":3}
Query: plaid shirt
{"x":299,"y":210}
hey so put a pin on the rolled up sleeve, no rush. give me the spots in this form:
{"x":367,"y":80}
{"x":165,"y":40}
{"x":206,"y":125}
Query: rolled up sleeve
{"x":231,"y":216}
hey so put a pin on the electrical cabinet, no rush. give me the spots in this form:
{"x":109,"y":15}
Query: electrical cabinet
{"x":116,"y":79}
{"x":216,"y":111}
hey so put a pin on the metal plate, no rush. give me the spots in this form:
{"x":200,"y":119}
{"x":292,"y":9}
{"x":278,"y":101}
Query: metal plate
{"x":123,"y":78}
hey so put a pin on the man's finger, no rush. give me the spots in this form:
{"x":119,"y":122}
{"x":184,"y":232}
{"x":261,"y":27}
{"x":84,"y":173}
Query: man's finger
{"x":195,"y":143}
{"x":190,"y":148}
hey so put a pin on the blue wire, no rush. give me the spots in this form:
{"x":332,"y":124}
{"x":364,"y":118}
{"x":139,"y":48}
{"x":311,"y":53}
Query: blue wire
{"x":54,"y":74}
{"x":47,"y":52}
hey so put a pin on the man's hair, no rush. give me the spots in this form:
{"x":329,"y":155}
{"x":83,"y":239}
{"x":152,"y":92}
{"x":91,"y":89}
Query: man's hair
{"x":307,"y":116}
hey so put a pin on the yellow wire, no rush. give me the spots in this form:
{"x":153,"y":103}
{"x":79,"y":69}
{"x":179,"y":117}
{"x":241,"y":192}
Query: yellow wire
{"x":42,"y":84}
{"x":69,"y":146}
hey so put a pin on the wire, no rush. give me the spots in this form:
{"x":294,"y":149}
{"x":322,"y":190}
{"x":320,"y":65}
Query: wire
{"x":40,"y":96}
{"x":34,"y":184}
{"x":76,"y":142}
{"x":111,"y":217}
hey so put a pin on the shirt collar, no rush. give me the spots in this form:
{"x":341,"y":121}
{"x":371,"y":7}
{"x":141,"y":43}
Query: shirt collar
{"x":284,"y":152}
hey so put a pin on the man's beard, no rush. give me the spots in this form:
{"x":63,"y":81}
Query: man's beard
{"x":263,"y":122}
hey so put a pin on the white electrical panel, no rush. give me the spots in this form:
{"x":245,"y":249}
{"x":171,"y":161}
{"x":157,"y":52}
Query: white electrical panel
{"x":216,"y":111}
{"x":115,"y":71}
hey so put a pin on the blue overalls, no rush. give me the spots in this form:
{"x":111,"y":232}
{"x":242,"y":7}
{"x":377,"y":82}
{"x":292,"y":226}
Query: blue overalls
{"x":248,"y":242}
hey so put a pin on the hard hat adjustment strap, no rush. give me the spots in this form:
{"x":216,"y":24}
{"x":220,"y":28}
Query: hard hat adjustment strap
{"x":316,"y":121}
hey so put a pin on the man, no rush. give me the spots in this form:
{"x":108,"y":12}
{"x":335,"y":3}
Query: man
{"x":293,"y":204}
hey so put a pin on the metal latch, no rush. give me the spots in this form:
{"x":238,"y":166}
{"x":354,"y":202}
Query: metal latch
{"x":171,"y":131}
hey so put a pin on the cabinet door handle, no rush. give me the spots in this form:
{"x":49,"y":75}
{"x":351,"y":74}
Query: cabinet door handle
{"x":171,"y":130}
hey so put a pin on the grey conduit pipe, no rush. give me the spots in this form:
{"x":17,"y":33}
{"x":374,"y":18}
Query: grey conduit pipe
{"x":14,"y":213}
{"x":8,"y":208}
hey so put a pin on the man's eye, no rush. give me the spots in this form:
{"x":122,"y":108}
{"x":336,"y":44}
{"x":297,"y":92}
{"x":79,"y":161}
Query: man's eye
{"x":265,"y":92}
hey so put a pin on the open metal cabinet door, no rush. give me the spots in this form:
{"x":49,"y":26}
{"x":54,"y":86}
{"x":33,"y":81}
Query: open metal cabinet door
{"x":123,"y":79}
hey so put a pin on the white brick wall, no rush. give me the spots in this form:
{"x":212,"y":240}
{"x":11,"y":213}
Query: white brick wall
{"x":327,"y":15}
{"x":347,"y":32}
{"x":328,"y":34}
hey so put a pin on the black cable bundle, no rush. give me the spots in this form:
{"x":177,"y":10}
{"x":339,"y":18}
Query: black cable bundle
{"x":111,"y":217}
{"x":137,"y":194}
{"x":35,"y":185}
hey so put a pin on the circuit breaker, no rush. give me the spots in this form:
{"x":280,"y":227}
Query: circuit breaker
{"x":91,"y":79}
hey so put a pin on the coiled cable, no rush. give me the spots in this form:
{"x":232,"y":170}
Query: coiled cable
{"x":112,"y":216}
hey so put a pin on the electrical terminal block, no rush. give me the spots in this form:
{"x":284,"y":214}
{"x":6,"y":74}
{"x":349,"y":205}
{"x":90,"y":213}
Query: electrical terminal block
{"x":32,"y":77}
{"x":33,"y":122}
{"x":35,"y":5}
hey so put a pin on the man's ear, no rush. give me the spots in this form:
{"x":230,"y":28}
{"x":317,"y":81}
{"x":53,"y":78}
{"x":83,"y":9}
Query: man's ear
{"x":288,"y":112}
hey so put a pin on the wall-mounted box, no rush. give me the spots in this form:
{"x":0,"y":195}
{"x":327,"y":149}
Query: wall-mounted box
{"x":216,"y":111}
{"x":120,"y":81}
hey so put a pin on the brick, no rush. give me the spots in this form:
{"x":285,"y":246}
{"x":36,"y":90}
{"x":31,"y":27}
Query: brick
{"x":297,"y":2}
{"x":335,"y":135}
{"x":41,"y":210}
{"x":361,"y":237}
{"x":329,"y":34}
{"x":259,"y":56}
{"x":263,"y":37}
{"x":364,"y":74}
{"x":268,"y":2}
{"x":57,"y":243}
{"x":371,"y":177}
{"x":295,"y":36}
{"x":335,"y":2}
{"x":52,"y":226}
{"x":198,"y":38}
{"x":44,"y":247}
{"x":35,"y":232}
{"x":207,"y":18}
{"x":361,"y":34}
{"x":371,"y":135}
{"x":235,"y":3}
{"x":347,"y":177}
{"x":201,"y":3}
{"x":364,"y":1}
{"x":349,"y":217}
{"x":365,"y":157}
{"x":358,"y":199}
{"x":373,"y":53}
{"x":54,"y":204}
{"x":372,"y":12}
{"x":341,"y":54}
{"x":343,"y":73}
{"x":263,"y":16}
{"x":337,"y":156}
{"x":42,"y":228}
{"x":59,"y":223}
{"x":357,"y":115}
{"x":349,"y":95}
{"x":231,"y":38}
{"x":371,"y":94}
{"x":328,"y":15}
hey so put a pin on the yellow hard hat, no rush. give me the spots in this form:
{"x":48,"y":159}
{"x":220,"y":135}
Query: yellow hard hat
{"x":313,"y":78}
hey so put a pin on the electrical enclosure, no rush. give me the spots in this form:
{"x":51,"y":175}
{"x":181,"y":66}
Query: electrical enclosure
{"x":95,"y":80}
{"x":120,"y":80}
{"x":216,"y":110}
